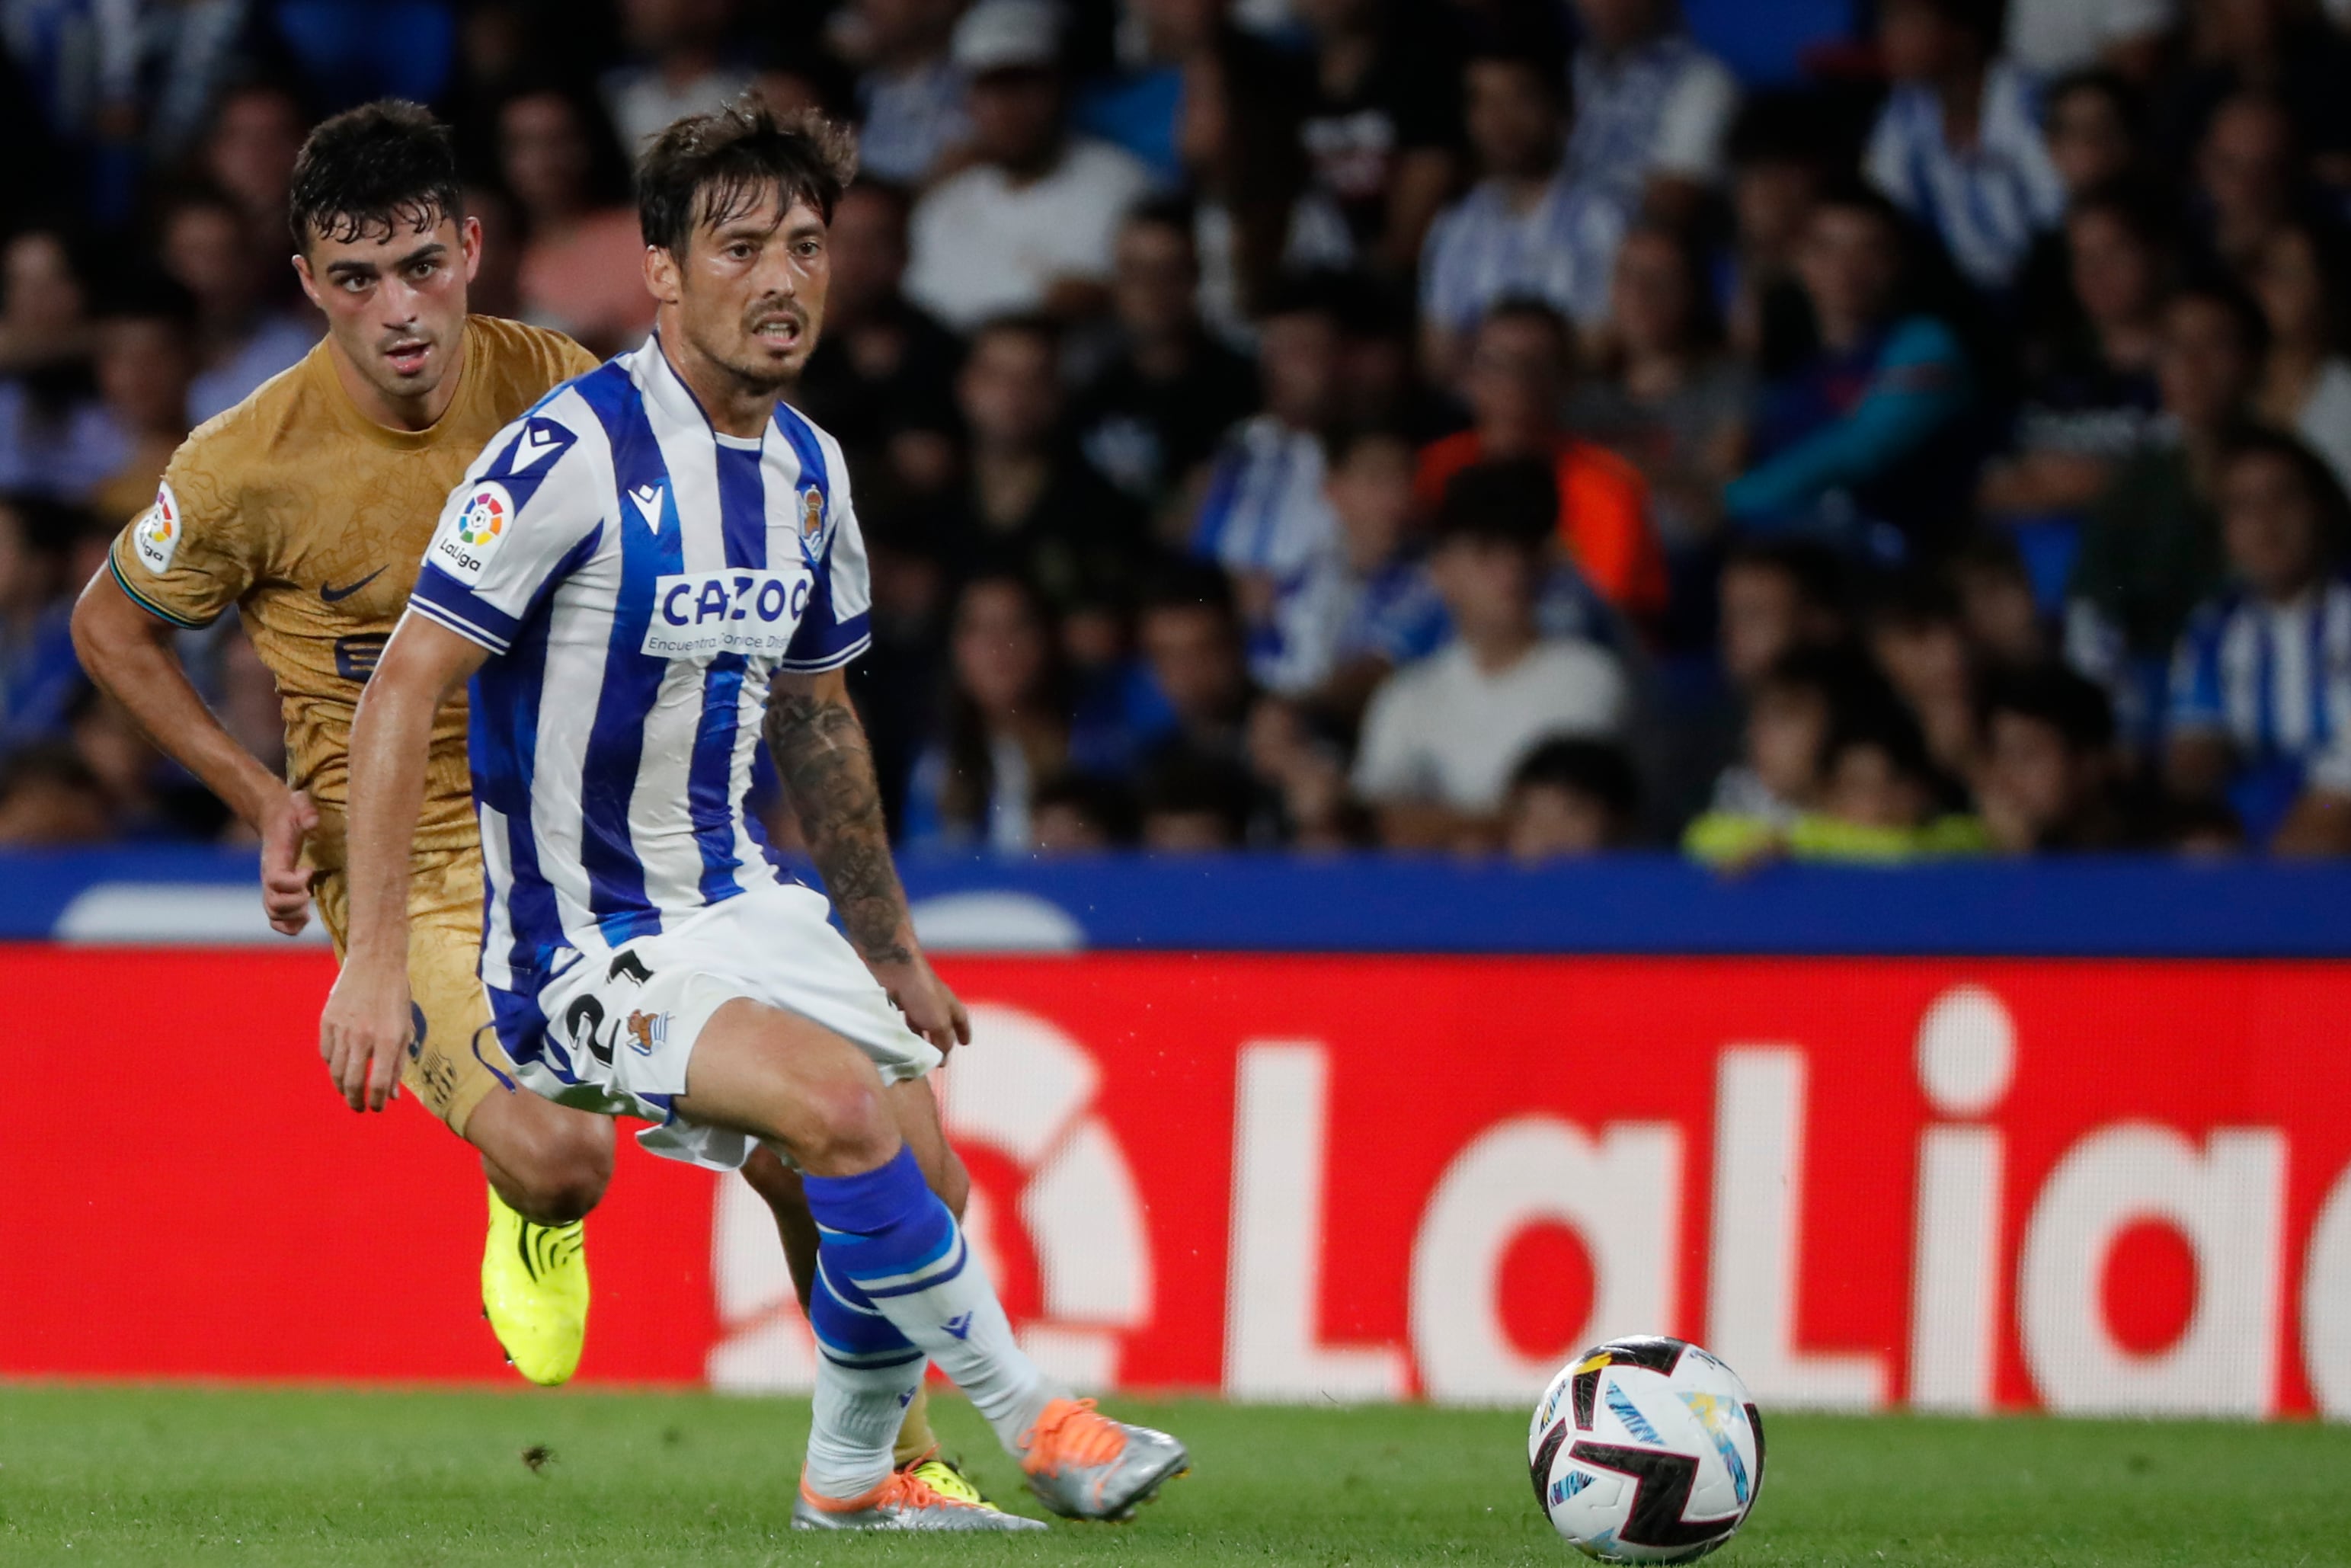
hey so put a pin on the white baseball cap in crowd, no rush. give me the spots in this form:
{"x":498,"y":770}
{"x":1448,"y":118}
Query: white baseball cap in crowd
{"x":1008,"y":35}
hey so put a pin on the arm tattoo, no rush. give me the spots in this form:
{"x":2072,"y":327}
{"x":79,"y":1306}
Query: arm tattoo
{"x":828,"y":771}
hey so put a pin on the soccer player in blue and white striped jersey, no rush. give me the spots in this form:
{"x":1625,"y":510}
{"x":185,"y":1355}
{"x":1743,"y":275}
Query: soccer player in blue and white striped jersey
{"x":2261,"y":687}
{"x":639,"y":575}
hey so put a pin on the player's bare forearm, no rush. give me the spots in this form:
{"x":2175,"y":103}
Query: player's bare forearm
{"x":827,"y":766}
{"x":392,"y":735}
{"x":129,"y":654}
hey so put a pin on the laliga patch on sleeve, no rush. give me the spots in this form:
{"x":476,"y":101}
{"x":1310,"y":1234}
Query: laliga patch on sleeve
{"x":156,"y":534}
{"x":465,"y":548}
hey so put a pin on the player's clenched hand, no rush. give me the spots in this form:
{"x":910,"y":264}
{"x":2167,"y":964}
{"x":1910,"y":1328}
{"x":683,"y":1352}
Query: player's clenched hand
{"x":364,"y":1033}
{"x":284,"y":886}
{"x":930,"y":1009}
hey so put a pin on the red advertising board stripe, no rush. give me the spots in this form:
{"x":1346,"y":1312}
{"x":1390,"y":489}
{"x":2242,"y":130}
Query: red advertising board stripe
{"x":2012,"y":1182}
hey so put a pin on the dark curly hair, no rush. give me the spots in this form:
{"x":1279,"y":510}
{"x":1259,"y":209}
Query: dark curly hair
{"x":372,"y":170}
{"x":709,"y":169}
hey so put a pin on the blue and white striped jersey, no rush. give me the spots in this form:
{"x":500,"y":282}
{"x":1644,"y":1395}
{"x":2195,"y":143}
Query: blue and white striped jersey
{"x":1987,"y":202}
{"x":638,"y":579}
{"x":2274,"y":679}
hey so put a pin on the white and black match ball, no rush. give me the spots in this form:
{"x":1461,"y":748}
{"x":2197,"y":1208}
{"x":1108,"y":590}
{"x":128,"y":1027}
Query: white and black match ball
{"x":1646,"y":1450}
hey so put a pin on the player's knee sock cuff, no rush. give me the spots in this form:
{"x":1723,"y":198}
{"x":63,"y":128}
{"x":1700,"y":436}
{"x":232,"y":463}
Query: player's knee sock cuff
{"x":869,"y":1202}
{"x":884,"y":1233}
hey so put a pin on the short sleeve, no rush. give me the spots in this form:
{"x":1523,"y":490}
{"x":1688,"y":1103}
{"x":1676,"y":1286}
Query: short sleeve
{"x":835,"y":628}
{"x":531,"y":510}
{"x":189,"y":555}
{"x":1387,"y":765}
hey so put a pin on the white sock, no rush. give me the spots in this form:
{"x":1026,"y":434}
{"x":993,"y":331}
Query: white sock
{"x":858,"y":1409}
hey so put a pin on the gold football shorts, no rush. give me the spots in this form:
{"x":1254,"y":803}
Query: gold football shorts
{"x":454,"y":1059}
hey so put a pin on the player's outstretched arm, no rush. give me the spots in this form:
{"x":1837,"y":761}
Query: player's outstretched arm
{"x":129,"y":654}
{"x":828,"y":770}
{"x":364,"y":1031}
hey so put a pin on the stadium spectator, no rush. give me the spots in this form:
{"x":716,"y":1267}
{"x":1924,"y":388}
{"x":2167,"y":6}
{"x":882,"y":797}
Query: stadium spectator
{"x":1031,"y":224}
{"x":2278,"y":47}
{"x":1140,"y":105}
{"x":2151,"y":550}
{"x":2051,"y":779}
{"x":1669,"y":399}
{"x":248,"y":152}
{"x":2050,"y":38}
{"x":1861,"y":434}
{"x":51,"y":799}
{"x":1194,"y":802}
{"x":1918,"y":637}
{"x":39,"y":677}
{"x":2261,"y":690}
{"x":1778,"y":596}
{"x":2092,"y":122}
{"x":1301,"y":781}
{"x":2298,"y":276}
{"x":1570,"y":800}
{"x":1526,"y":230}
{"x":208,"y":248}
{"x":883,"y":377}
{"x":1266,"y":517}
{"x":2247,"y":183}
{"x":2090,"y":399}
{"x":1442,"y":735}
{"x":1652,"y":108}
{"x":1383,"y":119}
{"x":496,"y":286}
{"x":1029,"y":501}
{"x":1257,"y":214}
{"x":144,"y":365}
{"x":1082,"y":813}
{"x":1851,"y":779}
{"x":582,"y":260}
{"x":1198,"y":694}
{"x":679,"y":64}
{"x":55,"y":440}
{"x":1373,"y":607}
{"x":1793,"y":703}
{"x":1998,"y":605}
{"x":1517,"y":386}
{"x":1005,"y":725}
{"x":1153,"y":413}
{"x":910,"y":96}
{"x":1958,"y":145}
{"x":1779,"y":166}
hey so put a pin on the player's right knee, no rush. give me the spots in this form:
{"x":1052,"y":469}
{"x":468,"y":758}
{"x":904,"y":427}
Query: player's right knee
{"x":845,"y":1126}
{"x":558,"y":1161}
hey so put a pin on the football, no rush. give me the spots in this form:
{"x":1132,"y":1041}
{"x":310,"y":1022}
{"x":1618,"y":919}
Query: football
{"x":1646,"y":1450}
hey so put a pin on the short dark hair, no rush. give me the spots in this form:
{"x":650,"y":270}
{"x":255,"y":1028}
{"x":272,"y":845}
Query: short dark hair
{"x":2213,"y":286}
{"x":146,"y":294}
{"x":1984,"y":20}
{"x":1514,"y":501}
{"x":1599,"y":770}
{"x":1108,"y":803}
{"x":2312,"y":473}
{"x":1185,"y":585}
{"x":1542,"y":313}
{"x":1184,"y":781}
{"x":1818,"y":572}
{"x":709,"y":169}
{"x":1034,"y":325}
{"x":2077,"y":708}
{"x":371,"y":169}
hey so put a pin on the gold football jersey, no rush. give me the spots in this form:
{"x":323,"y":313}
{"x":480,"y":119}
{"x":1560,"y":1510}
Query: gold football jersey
{"x":312,"y":518}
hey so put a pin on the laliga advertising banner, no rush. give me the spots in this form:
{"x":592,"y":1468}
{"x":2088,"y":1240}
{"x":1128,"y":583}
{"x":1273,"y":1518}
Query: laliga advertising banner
{"x":1961,"y":1185}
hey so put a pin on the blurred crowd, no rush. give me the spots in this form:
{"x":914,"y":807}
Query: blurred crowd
{"x":1846,"y":431}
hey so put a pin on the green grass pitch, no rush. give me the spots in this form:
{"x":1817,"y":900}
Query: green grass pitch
{"x":193,"y":1476}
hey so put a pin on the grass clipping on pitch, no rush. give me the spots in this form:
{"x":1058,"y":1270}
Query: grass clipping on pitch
{"x":192,"y":1476}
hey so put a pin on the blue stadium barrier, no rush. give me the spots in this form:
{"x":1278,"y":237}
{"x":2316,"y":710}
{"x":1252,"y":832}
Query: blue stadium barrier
{"x":2105,"y":908}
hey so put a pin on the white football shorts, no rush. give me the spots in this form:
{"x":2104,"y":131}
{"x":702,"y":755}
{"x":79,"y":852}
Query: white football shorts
{"x":619,"y":1031}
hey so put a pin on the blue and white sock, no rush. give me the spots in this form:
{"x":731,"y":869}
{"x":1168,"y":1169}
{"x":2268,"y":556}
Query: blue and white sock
{"x":886,"y":1242}
{"x":866,"y":1375}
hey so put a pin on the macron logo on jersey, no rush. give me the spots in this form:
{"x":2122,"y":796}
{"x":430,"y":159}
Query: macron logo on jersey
{"x":701,"y":615}
{"x":648,"y":499}
{"x":540,"y":440}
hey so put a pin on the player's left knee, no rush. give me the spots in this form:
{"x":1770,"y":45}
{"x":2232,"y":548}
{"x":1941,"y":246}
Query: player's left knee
{"x":570,"y":1166}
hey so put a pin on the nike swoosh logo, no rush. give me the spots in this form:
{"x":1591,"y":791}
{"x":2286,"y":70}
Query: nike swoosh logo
{"x":337,"y":595}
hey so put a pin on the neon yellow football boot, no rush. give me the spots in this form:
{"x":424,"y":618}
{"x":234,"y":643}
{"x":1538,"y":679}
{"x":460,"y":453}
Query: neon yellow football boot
{"x":535,"y":1293}
{"x":941,"y":1475}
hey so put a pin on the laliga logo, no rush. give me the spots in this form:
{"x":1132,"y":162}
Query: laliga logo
{"x":484,"y":517}
{"x":157,"y":537}
{"x":1023,"y":1089}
